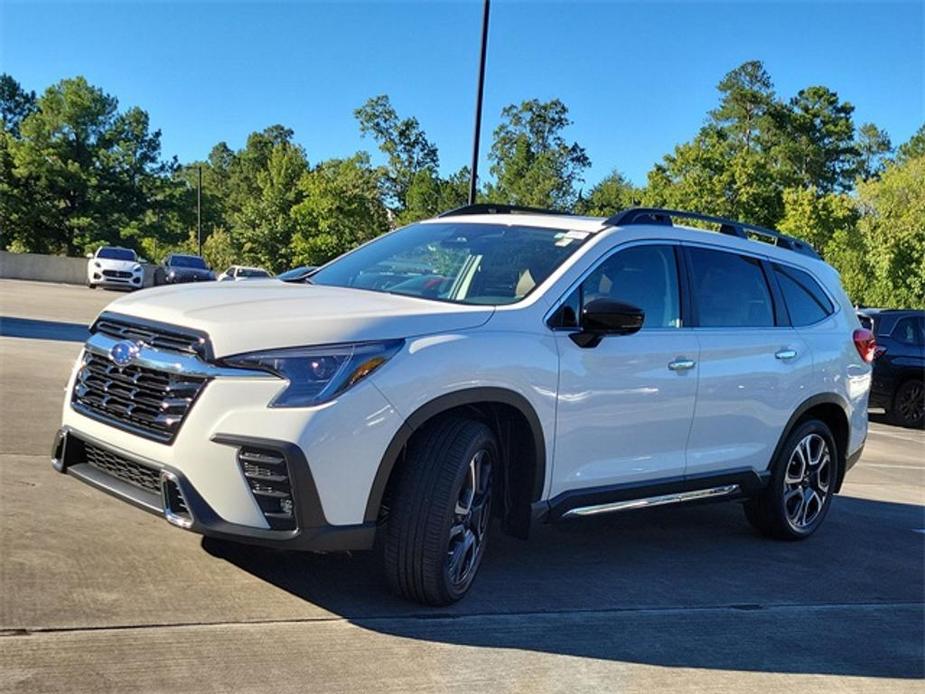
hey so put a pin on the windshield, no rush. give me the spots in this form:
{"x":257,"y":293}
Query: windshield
{"x":463,"y":263}
{"x":193,"y":261}
{"x":116,"y":254}
{"x":249,"y":272}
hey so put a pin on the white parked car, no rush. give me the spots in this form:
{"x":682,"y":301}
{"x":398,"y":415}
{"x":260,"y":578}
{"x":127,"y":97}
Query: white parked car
{"x":240,"y":272}
{"x":112,"y":266}
{"x":493,"y":362}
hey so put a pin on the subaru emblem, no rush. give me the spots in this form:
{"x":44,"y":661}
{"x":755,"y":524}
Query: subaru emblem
{"x":123,"y":352}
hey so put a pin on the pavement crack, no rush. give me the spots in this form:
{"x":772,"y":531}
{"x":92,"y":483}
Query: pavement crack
{"x":436,"y":617}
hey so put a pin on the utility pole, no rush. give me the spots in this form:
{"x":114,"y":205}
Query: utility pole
{"x":474,"y":170}
{"x":199,"y":211}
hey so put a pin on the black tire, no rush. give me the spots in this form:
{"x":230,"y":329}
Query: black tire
{"x":90,"y":285}
{"x":431,"y":553}
{"x":908,"y":409}
{"x":799,"y":495}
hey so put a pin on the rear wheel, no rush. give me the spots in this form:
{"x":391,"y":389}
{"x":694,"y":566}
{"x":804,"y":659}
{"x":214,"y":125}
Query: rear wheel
{"x":909,"y":404}
{"x":802,"y":483}
{"x":440,"y":510}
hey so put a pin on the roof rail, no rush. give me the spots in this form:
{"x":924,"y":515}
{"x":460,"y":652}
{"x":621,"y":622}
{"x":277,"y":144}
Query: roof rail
{"x":496,"y":208}
{"x":657,"y":215}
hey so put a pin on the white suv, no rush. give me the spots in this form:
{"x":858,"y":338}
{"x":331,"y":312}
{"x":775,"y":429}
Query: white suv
{"x":112,"y":266}
{"x":493,"y":362}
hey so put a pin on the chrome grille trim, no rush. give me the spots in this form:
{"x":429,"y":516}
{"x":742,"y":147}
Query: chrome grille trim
{"x":150,"y":396}
{"x":153,"y":334}
{"x":154,"y":403}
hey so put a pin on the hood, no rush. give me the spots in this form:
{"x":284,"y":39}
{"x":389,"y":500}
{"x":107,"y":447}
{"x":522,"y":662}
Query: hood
{"x":189,"y":271}
{"x":268,"y":314}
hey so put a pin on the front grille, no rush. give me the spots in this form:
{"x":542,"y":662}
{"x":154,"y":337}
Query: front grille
{"x":129,"y":471}
{"x":119,"y":274}
{"x":151,"y":403}
{"x":153,"y":334}
{"x":267,"y":476}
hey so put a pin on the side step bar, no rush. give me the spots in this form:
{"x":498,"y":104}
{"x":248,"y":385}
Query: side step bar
{"x":648,"y":502}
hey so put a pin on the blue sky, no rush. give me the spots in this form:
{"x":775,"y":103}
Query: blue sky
{"x":637,"y":77}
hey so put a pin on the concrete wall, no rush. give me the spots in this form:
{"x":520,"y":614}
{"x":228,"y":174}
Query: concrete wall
{"x":51,"y":268}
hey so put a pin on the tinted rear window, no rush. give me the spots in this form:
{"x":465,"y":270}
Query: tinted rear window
{"x":730,"y":290}
{"x":806,"y":302}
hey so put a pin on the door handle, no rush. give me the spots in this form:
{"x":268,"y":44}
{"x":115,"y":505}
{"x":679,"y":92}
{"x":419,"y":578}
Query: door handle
{"x":681,"y":364}
{"x":786,"y":354}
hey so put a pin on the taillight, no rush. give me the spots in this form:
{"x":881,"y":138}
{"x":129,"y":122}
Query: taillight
{"x":866,"y":344}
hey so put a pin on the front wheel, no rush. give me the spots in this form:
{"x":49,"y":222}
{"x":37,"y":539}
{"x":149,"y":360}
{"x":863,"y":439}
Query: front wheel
{"x":909,"y":404}
{"x":803,"y":477}
{"x":434,"y":538}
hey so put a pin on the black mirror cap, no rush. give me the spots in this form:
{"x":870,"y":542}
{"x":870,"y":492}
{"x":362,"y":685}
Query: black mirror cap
{"x":602,"y":317}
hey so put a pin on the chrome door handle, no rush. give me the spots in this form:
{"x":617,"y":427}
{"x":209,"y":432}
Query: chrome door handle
{"x":681,"y":364}
{"x":786,"y":354}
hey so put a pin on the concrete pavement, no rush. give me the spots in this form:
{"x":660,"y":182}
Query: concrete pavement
{"x":98,"y":596}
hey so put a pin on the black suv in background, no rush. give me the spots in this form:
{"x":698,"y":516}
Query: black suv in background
{"x":178,"y":268}
{"x":899,"y":367}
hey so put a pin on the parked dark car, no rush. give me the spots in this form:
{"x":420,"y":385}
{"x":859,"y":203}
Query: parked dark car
{"x":177,"y":269}
{"x":899,"y":367}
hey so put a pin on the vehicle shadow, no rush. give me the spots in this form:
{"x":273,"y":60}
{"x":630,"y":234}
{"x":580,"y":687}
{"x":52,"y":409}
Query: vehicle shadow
{"x":42,"y":329}
{"x":677,"y":587}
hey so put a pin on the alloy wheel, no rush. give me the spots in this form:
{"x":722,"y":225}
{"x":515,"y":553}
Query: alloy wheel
{"x":470,"y":521}
{"x":807,"y":481}
{"x":911,"y":403}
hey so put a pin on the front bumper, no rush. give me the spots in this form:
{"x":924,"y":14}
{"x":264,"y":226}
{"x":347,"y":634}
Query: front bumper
{"x":134,"y":282}
{"x":175,"y":497}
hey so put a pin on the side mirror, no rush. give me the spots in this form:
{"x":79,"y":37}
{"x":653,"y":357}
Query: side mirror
{"x":88,"y":256}
{"x":607,"y":317}
{"x":142,"y":260}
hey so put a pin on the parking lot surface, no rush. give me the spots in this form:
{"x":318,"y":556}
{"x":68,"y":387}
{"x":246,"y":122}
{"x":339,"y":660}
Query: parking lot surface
{"x":96,"y":595}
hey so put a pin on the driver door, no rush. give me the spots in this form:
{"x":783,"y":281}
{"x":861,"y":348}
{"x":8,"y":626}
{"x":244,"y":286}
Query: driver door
{"x":625,"y":406}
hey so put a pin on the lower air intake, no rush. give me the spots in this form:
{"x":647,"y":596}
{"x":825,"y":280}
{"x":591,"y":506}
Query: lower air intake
{"x":267,"y":475}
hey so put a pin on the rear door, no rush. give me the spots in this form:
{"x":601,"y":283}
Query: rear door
{"x":754,"y":367}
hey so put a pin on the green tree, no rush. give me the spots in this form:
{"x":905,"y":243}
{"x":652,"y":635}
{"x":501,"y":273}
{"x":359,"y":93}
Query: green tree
{"x":611,"y":194}
{"x":893,"y":226}
{"x":340,"y":209}
{"x":15,"y":104}
{"x":915,"y":147}
{"x":410,"y":154}
{"x":819,"y":147}
{"x":263,"y":226}
{"x":873,"y":150}
{"x":89,"y":171}
{"x":532,"y":162}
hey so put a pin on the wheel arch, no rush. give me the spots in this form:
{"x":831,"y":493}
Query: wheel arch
{"x":832,"y":409}
{"x":495,"y":405}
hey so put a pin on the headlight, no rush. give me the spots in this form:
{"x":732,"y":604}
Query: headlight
{"x":318,"y":374}
{"x":136,"y":268}
{"x":172,"y":274}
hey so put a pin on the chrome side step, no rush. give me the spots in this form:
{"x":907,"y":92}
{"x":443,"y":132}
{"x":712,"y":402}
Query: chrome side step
{"x":662,"y":500}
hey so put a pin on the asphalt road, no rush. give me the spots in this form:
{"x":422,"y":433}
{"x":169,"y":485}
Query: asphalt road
{"x":98,"y":596}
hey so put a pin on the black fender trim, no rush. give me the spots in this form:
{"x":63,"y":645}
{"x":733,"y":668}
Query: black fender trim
{"x":444,"y":403}
{"x":800,"y":411}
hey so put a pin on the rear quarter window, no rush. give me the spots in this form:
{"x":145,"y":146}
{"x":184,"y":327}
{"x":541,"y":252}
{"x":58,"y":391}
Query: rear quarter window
{"x":806,"y":302}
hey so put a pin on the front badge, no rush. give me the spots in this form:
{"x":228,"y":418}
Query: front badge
{"x":122,"y":353}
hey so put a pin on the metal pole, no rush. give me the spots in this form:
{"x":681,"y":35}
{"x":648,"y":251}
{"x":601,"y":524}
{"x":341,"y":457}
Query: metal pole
{"x":199,"y":211}
{"x":474,"y":171}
